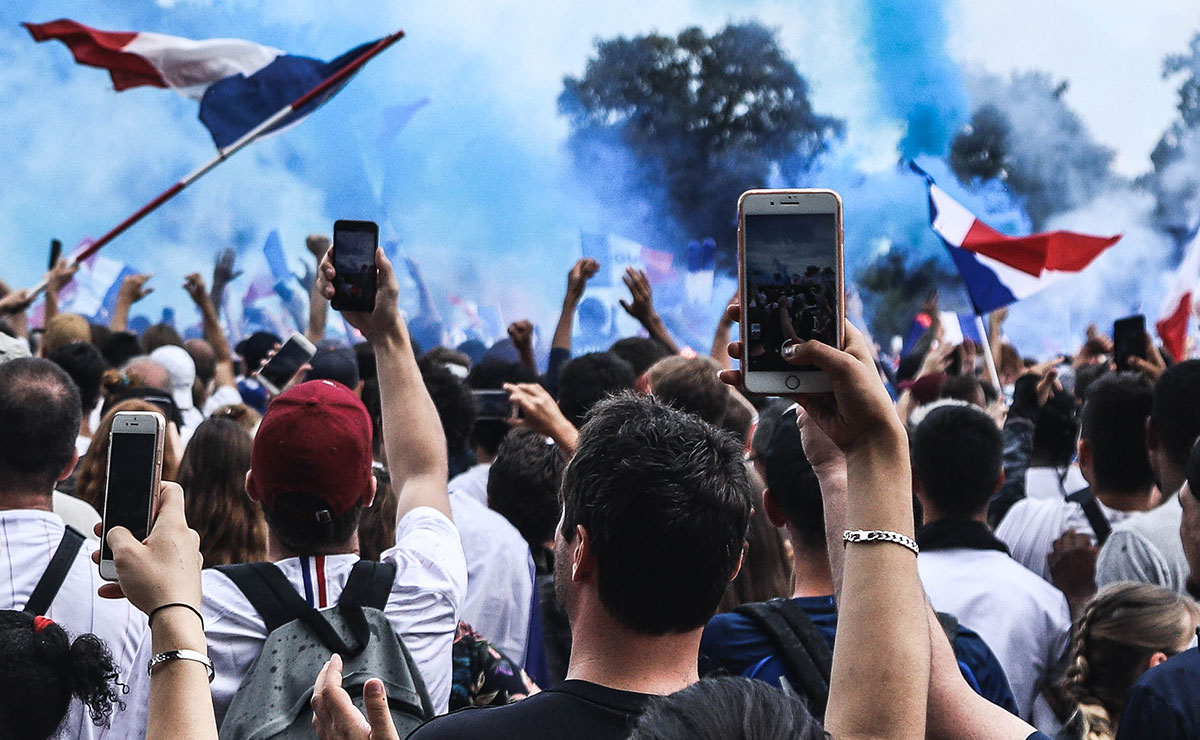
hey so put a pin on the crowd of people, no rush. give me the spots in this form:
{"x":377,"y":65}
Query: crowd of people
{"x":637,"y":550}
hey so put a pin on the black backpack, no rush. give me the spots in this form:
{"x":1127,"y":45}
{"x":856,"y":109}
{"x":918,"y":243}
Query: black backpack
{"x":274,"y":698}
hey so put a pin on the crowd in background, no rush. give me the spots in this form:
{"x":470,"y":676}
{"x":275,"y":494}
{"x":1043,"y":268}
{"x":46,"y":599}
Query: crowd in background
{"x":639,"y":549}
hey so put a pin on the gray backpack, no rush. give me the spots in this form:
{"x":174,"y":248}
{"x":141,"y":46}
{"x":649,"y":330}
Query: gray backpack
{"x":273,"y":700}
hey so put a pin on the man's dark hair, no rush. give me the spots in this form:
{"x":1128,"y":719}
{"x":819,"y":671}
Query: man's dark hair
{"x":692,"y":385}
{"x":295,"y":522}
{"x":1113,"y":422}
{"x":639,"y":352}
{"x":966,"y":388}
{"x":956,"y":454}
{"x":1176,"y":410}
{"x":793,"y":483}
{"x":40,"y":409}
{"x":1085,"y":376}
{"x":665,"y":500}
{"x":738,"y":421}
{"x":589,"y":379}
{"x":86,"y":366}
{"x":455,"y":406}
{"x":728,"y":707}
{"x":120,"y":347}
{"x":523,"y":485}
{"x":491,"y":375}
{"x":1056,"y":433}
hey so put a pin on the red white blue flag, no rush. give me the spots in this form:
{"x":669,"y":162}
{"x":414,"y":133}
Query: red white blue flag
{"x":239,"y":83}
{"x":1178,"y":302}
{"x":998,"y":269}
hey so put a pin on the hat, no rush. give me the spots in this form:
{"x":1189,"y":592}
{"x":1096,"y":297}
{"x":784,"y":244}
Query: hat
{"x":315,"y":439}
{"x":338,"y":364}
{"x":12,"y":348}
{"x":255,"y":348}
{"x":181,"y":369}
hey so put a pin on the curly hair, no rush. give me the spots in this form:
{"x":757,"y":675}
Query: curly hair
{"x":213,"y":477}
{"x":1119,"y":630}
{"x":44,"y":669}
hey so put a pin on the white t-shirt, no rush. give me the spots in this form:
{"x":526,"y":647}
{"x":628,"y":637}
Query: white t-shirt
{"x":77,"y":513}
{"x":1032,"y":525}
{"x":1023,"y":619}
{"x":28,"y":539}
{"x":499,"y":576}
{"x":473,"y":481}
{"x":1146,"y":548}
{"x":225,"y":395}
{"x":431,"y":581}
{"x":1050,"y":483}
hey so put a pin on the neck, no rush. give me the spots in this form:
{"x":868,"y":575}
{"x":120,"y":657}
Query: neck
{"x":277,"y":551}
{"x":1172,"y":479}
{"x":26,"y":500}
{"x":1128,"y":500}
{"x":811,"y":568}
{"x":607,"y":653}
{"x":934,"y":514}
{"x":482,"y":456}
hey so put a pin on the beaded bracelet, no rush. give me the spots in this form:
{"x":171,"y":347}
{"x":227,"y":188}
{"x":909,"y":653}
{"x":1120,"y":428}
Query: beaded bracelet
{"x":879,"y":535}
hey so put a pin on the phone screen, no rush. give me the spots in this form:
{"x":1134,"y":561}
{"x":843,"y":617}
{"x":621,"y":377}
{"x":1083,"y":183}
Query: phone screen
{"x":354,"y":244}
{"x":130,"y":486}
{"x":1129,"y":340}
{"x":491,"y":405}
{"x":285,"y":364}
{"x":791,"y":285}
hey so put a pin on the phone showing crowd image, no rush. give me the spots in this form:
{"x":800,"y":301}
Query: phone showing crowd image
{"x":292,"y":355}
{"x":492,"y":405}
{"x":135,"y":454}
{"x":1129,"y":340}
{"x":354,"y":285}
{"x":791,"y":284}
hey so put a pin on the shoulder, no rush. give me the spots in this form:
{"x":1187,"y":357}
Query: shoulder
{"x":1161,"y":703}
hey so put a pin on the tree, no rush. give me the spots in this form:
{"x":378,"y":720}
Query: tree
{"x":704,"y":118}
{"x":1175,"y":181}
{"x":896,"y":290}
{"x":1026,"y":134}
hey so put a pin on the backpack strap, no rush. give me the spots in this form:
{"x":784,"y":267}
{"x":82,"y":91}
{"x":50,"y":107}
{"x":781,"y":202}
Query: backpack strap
{"x":276,"y":600}
{"x":56,"y":572}
{"x":370,"y":584}
{"x":1093,"y":512}
{"x":793,"y":635}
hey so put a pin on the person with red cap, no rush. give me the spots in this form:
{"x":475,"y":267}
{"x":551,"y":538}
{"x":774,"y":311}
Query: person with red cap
{"x":310,"y":470}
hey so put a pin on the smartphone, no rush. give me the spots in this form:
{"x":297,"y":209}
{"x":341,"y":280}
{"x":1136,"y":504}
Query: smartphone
{"x":790,"y":280}
{"x":1129,"y":340}
{"x":135,"y":455}
{"x":286,"y":362}
{"x":354,"y":244}
{"x":55,"y":252}
{"x":492,"y":405}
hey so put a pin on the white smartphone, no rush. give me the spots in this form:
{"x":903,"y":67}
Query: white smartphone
{"x":791,"y":283}
{"x":278,"y":371}
{"x":135,"y":455}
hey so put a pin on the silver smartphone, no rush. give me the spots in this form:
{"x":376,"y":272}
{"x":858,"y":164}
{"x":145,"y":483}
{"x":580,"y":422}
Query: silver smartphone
{"x":135,"y":455}
{"x":279,"y":370}
{"x":790,"y":278}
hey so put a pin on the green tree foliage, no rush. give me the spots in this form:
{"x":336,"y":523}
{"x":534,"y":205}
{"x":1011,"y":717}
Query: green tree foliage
{"x":1024,"y":133}
{"x":1175,"y":180}
{"x":704,"y":118}
{"x":897,"y":290}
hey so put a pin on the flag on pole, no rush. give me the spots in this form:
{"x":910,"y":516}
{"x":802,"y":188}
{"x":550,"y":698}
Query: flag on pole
{"x":239,"y":83}
{"x":998,"y":269}
{"x":1177,"y":304}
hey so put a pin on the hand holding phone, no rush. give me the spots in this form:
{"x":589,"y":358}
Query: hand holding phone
{"x":356,"y":279}
{"x":1129,"y":340}
{"x":492,"y":405}
{"x":135,"y":456}
{"x":281,"y":367}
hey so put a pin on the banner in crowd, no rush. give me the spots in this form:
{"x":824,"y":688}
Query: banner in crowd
{"x":1178,"y":303}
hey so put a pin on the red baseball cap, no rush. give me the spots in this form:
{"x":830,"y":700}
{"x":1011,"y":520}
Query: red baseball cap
{"x":315,"y":439}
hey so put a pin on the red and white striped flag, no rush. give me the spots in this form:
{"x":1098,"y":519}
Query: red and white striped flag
{"x":1177,"y":305}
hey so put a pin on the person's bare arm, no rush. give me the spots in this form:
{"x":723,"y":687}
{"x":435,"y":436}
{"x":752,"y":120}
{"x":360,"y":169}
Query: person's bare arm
{"x":133,"y":289}
{"x":521,"y":334}
{"x":996,"y":332}
{"x":224,"y":272}
{"x":641,"y":307}
{"x":56,"y":279}
{"x":318,"y":307}
{"x":577,"y":278}
{"x":412,"y":432}
{"x":12,"y":309}
{"x":223,"y":375}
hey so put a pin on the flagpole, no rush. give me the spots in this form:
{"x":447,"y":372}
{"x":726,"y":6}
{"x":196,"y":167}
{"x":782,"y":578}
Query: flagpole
{"x":988,"y":359}
{"x":225,"y":153}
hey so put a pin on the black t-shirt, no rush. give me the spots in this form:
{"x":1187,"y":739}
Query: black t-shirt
{"x":572,"y":710}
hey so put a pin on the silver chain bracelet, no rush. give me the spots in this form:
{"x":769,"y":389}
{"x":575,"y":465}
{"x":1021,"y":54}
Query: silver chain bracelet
{"x":879,"y":535}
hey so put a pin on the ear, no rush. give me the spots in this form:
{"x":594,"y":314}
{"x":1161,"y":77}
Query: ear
{"x":66,"y":472}
{"x":369,"y":497}
{"x":741,"y":560}
{"x":1085,"y":459}
{"x":583,"y":560}
{"x":251,"y":489}
{"x":1157,"y":659}
{"x":774,"y":512}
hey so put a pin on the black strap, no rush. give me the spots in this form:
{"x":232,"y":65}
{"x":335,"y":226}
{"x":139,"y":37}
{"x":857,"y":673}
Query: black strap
{"x":56,"y":572}
{"x":1093,"y":512}
{"x":370,"y":584}
{"x":278,"y":603}
{"x":804,"y":650}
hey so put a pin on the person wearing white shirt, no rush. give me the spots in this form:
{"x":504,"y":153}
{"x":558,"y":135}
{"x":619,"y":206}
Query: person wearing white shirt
{"x":473,"y":481}
{"x":310,"y":470}
{"x":41,"y":410}
{"x":1114,"y":460}
{"x":967,"y":572}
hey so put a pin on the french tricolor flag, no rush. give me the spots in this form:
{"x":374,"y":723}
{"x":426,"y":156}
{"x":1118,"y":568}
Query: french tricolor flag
{"x":1178,"y":303}
{"x":239,"y":83}
{"x":998,"y":269}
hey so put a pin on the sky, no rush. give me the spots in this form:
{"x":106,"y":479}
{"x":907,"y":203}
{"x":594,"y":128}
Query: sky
{"x":479,"y":187}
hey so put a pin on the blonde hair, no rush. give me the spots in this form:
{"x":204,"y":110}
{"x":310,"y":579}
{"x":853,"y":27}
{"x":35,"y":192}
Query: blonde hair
{"x":64,"y":328}
{"x":1120,"y":629}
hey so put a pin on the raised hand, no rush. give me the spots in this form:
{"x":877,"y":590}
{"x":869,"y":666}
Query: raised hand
{"x":318,"y":245}
{"x":1153,"y":366}
{"x":583,"y":271}
{"x":133,"y":288}
{"x":386,"y":315}
{"x":224,"y":270}
{"x":521,"y":334}
{"x":641,"y":303}
{"x":540,"y":413}
{"x":1072,"y":562}
{"x":194,"y":285}
{"x":60,"y":275}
